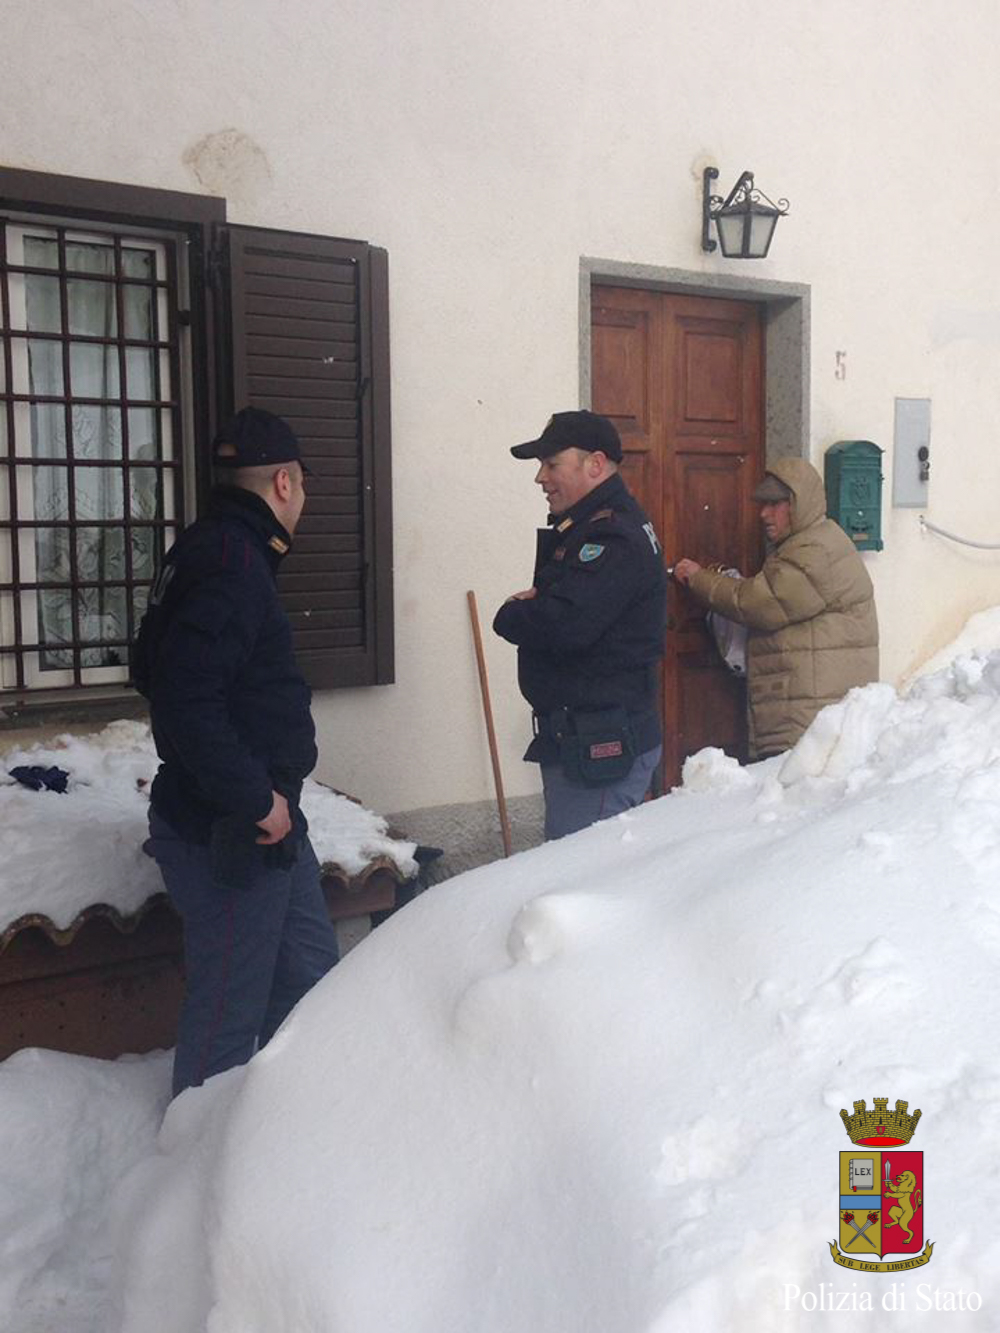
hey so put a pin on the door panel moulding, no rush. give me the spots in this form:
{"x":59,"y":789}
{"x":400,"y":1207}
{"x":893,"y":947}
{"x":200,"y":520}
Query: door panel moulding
{"x":786,"y":337}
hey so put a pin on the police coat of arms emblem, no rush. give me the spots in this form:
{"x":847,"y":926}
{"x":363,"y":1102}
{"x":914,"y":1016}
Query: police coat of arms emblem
{"x":881,"y":1194}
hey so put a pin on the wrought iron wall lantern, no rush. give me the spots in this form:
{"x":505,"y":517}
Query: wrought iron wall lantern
{"x":745,"y":219}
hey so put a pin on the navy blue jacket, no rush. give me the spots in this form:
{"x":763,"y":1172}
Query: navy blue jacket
{"x":230,"y":710}
{"x":593,"y":635}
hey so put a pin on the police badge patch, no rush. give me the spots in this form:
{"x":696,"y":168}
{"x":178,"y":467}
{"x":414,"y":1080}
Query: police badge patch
{"x":590,"y":551}
{"x":881,"y":1194}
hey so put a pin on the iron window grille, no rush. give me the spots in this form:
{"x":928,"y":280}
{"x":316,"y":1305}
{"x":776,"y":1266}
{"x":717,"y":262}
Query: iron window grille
{"x":91,"y":478}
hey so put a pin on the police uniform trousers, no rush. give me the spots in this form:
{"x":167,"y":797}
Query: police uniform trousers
{"x":571,"y":806}
{"x":250,"y":953}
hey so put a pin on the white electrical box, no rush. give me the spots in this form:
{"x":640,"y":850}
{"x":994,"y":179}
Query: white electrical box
{"x":911,"y":453}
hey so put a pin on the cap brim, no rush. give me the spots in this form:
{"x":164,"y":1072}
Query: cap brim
{"x":227,"y":463}
{"x":533,"y":449}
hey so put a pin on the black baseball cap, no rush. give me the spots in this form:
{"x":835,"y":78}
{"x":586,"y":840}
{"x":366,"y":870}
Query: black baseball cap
{"x":255,"y":438}
{"x":574,"y":430}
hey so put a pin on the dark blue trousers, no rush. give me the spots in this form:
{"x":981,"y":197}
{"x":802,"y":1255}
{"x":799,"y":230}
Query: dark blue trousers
{"x":250,"y":954}
{"x":571,"y":806}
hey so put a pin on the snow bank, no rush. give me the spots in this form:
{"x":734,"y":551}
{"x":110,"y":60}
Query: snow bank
{"x":596,"y":1088}
{"x":70,"y":1128}
{"x":62,"y":852}
{"x":979,"y":637}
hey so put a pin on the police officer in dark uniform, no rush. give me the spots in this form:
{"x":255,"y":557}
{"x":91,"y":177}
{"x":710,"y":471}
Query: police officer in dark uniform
{"x":231,"y":718}
{"x":589,"y":631}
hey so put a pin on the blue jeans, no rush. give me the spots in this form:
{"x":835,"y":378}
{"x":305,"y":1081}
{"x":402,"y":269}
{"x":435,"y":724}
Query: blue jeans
{"x":570,"y":806}
{"x":250,"y":954}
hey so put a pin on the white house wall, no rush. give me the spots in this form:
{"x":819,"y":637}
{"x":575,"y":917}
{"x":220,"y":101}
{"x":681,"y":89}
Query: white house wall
{"x":488,"y":146}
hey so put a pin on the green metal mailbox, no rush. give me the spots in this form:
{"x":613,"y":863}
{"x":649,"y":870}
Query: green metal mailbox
{"x":853,"y":475}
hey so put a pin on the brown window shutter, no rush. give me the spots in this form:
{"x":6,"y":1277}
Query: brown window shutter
{"x":309,"y":327}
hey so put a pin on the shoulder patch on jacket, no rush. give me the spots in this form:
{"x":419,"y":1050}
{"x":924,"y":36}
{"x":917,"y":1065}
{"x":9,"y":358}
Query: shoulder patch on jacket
{"x":654,"y":541}
{"x":590,"y":551}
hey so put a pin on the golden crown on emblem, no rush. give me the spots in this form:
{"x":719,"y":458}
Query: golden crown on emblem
{"x":880,"y":1123}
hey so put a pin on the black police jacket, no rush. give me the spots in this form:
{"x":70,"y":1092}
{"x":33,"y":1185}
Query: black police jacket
{"x":229,"y":708}
{"x":593,"y":634}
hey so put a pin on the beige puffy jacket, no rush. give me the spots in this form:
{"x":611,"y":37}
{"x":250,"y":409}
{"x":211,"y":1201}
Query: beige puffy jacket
{"x":810,"y":613}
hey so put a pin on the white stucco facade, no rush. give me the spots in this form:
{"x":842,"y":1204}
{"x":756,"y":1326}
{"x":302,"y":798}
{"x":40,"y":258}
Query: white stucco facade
{"x":488,"y":148}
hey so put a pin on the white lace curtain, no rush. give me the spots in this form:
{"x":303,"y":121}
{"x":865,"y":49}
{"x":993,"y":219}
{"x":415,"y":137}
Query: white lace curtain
{"x":98,"y":493}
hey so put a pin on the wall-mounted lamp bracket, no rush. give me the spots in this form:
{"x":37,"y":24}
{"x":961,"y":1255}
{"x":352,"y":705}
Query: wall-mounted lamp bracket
{"x":707,"y":200}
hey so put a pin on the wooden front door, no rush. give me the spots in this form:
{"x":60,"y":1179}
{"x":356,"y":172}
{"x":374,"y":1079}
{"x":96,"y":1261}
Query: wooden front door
{"x":682,"y":379}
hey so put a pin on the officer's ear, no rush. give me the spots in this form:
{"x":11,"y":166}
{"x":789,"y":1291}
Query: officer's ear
{"x":283,"y":483}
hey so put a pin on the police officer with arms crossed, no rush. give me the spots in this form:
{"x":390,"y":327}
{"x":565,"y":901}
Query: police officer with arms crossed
{"x":231,"y":718}
{"x":589,"y":631}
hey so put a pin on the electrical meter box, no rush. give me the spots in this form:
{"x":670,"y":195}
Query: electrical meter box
{"x":852,"y":472}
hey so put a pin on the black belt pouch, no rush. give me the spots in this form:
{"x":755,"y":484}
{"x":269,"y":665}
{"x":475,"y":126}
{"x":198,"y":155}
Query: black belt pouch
{"x":596,"y":747}
{"x":236,"y":857}
{"x":233,"y":853}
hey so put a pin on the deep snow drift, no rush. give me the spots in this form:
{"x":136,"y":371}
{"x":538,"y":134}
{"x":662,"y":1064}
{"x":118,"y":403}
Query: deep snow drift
{"x":596,"y":1089}
{"x":69,"y":1129}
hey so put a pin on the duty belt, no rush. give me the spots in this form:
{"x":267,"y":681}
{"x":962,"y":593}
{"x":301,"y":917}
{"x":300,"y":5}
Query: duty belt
{"x":554,"y":725}
{"x":549,"y":725}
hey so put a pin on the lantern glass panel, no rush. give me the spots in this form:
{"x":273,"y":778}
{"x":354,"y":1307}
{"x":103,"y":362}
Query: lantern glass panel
{"x":762,"y":227}
{"x":730,"y":226}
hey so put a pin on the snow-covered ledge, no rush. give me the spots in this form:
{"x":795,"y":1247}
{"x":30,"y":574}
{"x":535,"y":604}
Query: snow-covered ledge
{"x":60,"y":854}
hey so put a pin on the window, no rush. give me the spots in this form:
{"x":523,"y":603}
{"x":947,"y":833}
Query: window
{"x":131,"y":322}
{"x":91,"y":487}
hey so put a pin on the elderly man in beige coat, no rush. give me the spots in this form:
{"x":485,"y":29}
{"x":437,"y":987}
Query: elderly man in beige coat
{"x":809,"y":613}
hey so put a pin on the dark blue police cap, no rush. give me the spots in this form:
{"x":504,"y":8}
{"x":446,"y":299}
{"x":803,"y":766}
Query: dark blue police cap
{"x":256,"y":438}
{"x":574,"y":430}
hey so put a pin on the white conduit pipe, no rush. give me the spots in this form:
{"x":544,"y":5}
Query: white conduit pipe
{"x":963,"y":541}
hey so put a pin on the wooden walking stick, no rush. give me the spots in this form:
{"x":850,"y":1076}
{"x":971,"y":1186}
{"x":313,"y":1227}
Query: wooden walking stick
{"x":484,"y":690}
